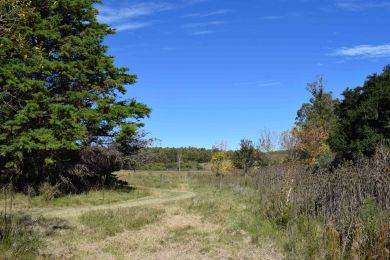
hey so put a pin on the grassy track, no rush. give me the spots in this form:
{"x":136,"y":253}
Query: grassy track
{"x":159,"y":196}
{"x":181,"y":216}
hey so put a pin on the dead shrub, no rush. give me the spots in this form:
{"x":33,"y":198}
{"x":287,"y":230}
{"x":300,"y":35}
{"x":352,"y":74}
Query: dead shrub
{"x":48,"y":191}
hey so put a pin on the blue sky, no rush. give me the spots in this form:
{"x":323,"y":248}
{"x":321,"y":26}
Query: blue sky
{"x":222,"y":70}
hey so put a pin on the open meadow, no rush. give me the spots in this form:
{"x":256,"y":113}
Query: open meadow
{"x":166,"y":215}
{"x":178,"y":215}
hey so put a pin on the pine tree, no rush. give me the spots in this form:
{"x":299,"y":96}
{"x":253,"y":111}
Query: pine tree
{"x":364,"y":118}
{"x":59,"y":90}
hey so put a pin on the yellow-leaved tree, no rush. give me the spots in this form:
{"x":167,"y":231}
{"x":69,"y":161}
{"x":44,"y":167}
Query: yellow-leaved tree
{"x":312,"y":144}
{"x":221,"y":164}
{"x":314,"y":123}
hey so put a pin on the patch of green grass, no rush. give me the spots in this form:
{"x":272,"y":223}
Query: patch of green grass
{"x":235,"y":207}
{"x":18,"y":240}
{"x":185,"y":234}
{"x":209,"y":208}
{"x":111,"y":222}
{"x":87,"y":198}
{"x":21,"y":236}
{"x":256,"y":226}
{"x":304,"y":239}
{"x":213,"y":204}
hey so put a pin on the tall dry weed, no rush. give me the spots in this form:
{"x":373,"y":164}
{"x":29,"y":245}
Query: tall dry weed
{"x":332,"y":239}
{"x":382,"y":251}
{"x":357,"y":242}
{"x":355,"y":197}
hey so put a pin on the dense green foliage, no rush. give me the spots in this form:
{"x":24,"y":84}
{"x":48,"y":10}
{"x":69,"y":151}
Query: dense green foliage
{"x":319,"y":111}
{"x":363,"y":118}
{"x":350,"y":129}
{"x":60,"y":93}
{"x":247,"y":156}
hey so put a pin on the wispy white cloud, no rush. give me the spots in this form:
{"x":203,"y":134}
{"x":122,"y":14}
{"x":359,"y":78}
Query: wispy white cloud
{"x":205,"y":32}
{"x":204,"y":27}
{"x":125,"y":17}
{"x":268,"y":83}
{"x":131,"y":26}
{"x":112,"y":15}
{"x":368,"y":51}
{"x":208,"y":14}
{"x":135,"y":16}
{"x":203,"y":24}
{"x":357,"y":5}
{"x":287,"y":15}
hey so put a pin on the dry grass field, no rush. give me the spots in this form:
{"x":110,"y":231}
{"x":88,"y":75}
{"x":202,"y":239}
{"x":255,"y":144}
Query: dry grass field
{"x":196,"y":215}
{"x":168,"y":215}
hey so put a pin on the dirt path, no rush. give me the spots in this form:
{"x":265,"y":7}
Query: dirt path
{"x":177,"y":235}
{"x":159,"y":196}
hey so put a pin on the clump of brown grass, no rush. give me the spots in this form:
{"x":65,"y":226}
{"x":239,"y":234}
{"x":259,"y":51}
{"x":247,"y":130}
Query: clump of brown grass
{"x":381,"y":248}
{"x":332,"y":239}
{"x":48,"y":191}
{"x":357,"y":242}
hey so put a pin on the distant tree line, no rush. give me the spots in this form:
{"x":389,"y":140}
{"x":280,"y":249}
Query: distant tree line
{"x":200,"y":155}
{"x":183,"y":158}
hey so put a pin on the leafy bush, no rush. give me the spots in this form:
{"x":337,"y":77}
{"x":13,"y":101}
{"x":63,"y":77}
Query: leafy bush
{"x":90,"y":167}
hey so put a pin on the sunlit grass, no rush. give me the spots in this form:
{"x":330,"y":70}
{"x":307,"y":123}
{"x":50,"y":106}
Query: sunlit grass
{"x":110,"y":222}
{"x":155,"y":179}
{"x":92,"y":198}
